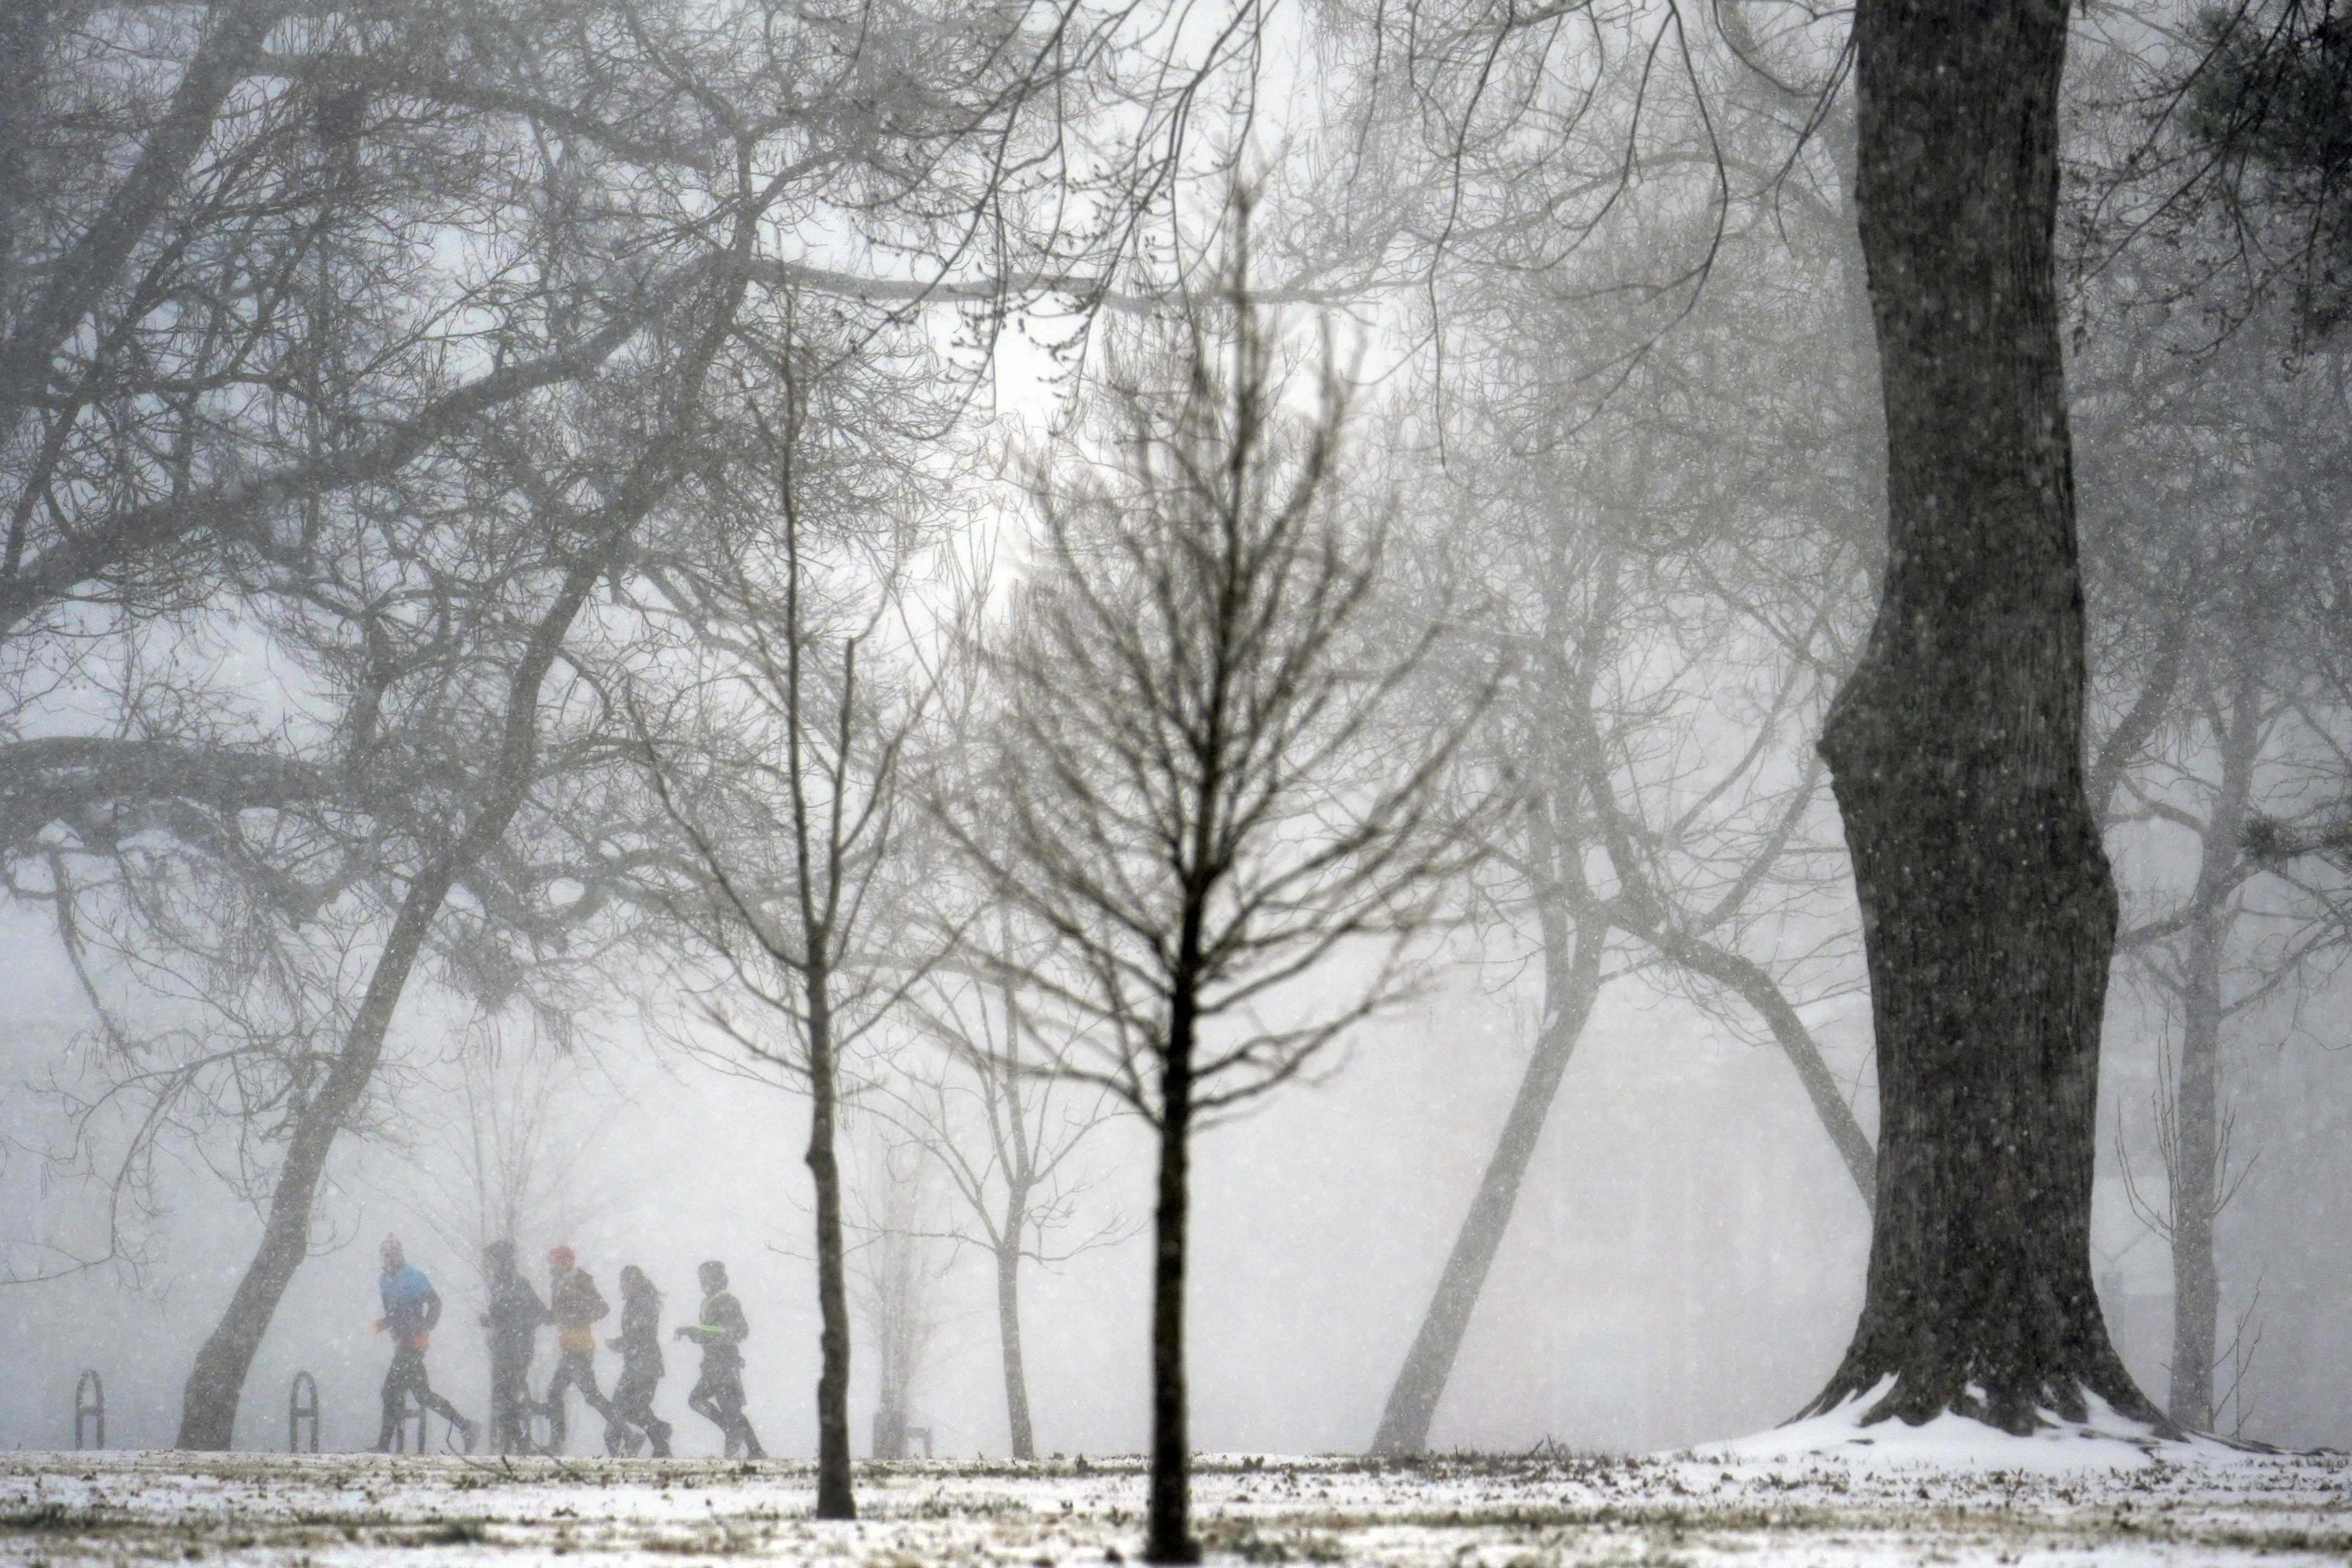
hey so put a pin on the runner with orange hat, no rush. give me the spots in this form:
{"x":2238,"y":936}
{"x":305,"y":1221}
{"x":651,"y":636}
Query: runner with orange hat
{"x":577,"y":1305}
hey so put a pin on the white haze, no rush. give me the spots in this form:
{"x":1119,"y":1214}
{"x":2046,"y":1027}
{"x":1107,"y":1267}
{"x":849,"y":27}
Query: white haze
{"x":1685,"y":1262}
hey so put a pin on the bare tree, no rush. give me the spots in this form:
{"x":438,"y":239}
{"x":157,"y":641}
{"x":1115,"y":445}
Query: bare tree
{"x":1678,"y":567}
{"x":226,"y":299}
{"x":1955,"y":747}
{"x":2213,"y":485}
{"x":300,"y":433}
{"x":1627,"y":861}
{"x":216,"y":1383}
{"x":1186,"y":795}
{"x":896,"y":1267}
{"x":507,"y":1156}
{"x":219,"y":309}
{"x":782,"y":765}
{"x":1005,"y":1132}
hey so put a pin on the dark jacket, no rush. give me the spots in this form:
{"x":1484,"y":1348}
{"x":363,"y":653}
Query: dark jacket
{"x":722,"y":1328}
{"x":516,"y":1312}
{"x":576,"y":1304}
{"x":640,"y":1338}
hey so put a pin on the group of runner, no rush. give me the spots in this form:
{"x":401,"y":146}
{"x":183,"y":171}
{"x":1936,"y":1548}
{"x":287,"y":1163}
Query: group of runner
{"x":573,"y":1306}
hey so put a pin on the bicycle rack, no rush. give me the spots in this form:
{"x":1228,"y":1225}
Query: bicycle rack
{"x":537,"y":1425}
{"x":419,"y":1415}
{"x":89,"y":1406}
{"x":303,"y":1405}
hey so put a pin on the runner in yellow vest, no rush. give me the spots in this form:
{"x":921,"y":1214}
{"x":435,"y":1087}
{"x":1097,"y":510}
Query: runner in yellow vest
{"x":576,"y":1304}
{"x":717,"y":1395}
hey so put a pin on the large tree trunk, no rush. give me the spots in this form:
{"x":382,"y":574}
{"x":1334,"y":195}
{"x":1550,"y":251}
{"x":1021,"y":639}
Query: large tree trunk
{"x":1956,"y":746}
{"x":1008,"y":1328}
{"x":208,"y":1403}
{"x":1572,"y":982}
{"x":1169,"y":1533}
{"x":834,"y":1497}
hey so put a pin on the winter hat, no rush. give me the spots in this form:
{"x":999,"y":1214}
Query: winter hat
{"x":561,"y":1257}
{"x":391,"y":1252}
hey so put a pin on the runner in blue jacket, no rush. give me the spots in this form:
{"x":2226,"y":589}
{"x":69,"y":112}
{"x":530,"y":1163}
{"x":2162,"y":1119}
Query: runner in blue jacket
{"x":411,"y":1307}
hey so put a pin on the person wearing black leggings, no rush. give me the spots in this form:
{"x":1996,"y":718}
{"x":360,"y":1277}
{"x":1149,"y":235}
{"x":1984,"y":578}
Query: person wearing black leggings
{"x":577,"y":1305}
{"x":717,"y":1395}
{"x":639,"y":1343}
{"x":411,"y":1307}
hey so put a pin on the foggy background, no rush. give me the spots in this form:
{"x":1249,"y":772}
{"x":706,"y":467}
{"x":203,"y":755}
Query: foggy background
{"x":1686,"y":1258}
{"x":1685,"y":1263}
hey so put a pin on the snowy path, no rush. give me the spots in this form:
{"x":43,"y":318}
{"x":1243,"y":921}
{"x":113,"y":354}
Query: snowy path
{"x":1733,"y":1509}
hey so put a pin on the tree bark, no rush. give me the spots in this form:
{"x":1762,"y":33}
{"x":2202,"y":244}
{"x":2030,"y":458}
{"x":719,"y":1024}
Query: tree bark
{"x":1956,"y":746}
{"x":1572,"y":982}
{"x":2194,"y":1172}
{"x":23,"y":48}
{"x":217,"y":1382}
{"x":1008,"y":1327}
{"x":834,"y":1497}
{"x":2195,"y":1175}
{"x":1170,"y":1537}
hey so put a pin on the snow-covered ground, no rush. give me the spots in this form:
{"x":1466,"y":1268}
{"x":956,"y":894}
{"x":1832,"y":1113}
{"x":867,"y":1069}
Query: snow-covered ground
{"x":1798,"y":1497}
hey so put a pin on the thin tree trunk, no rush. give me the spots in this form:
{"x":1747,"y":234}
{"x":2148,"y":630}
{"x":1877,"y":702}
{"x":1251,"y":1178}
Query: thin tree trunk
{"x":2196,"y":1282}
{"x":1754,"y":985}
{"x":1008,"y":1326}
{"x":208,"y":1405}
{"x":214,"y":1385}
{"x":834,"y":1497}
{"x":2195,"y":1172}
{"x":1020,"y":1169}
{"x":1956,"y":746}
{"x":1572,"y":982}
{"x":1170,"y":1537}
